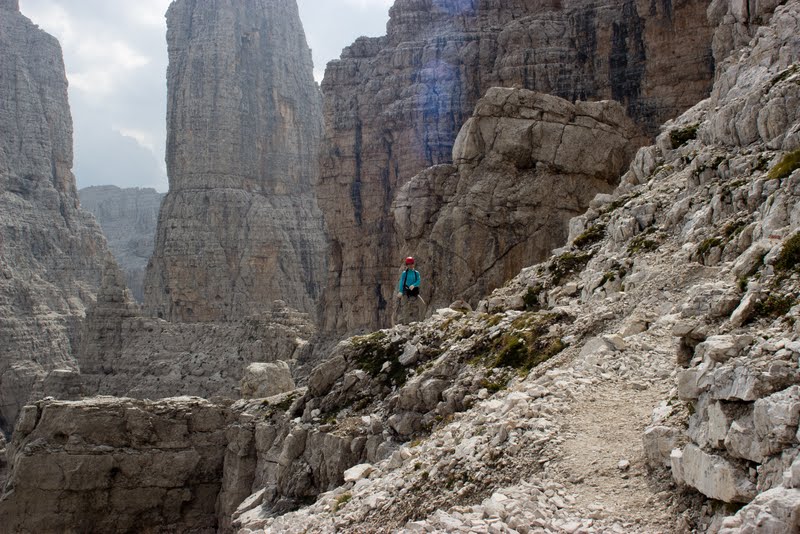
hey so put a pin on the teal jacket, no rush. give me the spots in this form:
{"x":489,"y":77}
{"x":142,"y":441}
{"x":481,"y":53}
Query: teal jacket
{"x":410,"y":277}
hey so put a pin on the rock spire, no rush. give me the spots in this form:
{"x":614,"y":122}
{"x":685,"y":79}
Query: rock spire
{"x":51,"y":252}
{"x":240,"y":227}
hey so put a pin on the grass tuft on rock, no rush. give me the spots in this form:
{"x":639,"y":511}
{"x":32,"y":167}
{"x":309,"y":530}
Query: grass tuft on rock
{"x":786,"y":166}
{"x":591,"y":236}
{"x":789,"y":258}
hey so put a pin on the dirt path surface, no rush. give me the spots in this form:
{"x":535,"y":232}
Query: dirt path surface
{"x":603,"y":460}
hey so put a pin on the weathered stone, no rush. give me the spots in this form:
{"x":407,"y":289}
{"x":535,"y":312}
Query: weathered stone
{"x":240,"y":227}
{"x":326,"y":374}
{"x":658,"y":443}
{"x":118,"y":464}
{"x":776,"y":419}
{"x":395,"y":105}
{"x":776,"y":511}
{"x":722,"y":348}
{"x":125,"y":354}
{"x":51,"y":253}
{"x":712,"y":475}
{"x":357,"y":472}
{"x":266,"y":379}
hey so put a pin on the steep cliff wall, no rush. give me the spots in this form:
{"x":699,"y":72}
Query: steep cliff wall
{"x":525,"y":164}
{"x":128,"y":218}
{"x":116,"y":465}
{"x":51,"y":252}
{"x":394,"y":105}
{"x":240,"y":226}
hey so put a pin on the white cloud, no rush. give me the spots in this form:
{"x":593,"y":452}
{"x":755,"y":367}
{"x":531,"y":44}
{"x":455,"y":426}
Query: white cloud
{"x":148,"y":12}
{"x":143,"y":138}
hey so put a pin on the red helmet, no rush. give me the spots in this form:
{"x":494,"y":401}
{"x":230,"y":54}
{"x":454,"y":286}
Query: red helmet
{"x":409,"y":261}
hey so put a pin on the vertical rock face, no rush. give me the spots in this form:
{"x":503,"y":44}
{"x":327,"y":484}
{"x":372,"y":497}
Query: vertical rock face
{"x":240,"y":226}
{"x":116,"y":465}
{"x":128,"y":218}
{"x":525,"y":164}
{"x":51,"y":252}
{"x":394,"y":105}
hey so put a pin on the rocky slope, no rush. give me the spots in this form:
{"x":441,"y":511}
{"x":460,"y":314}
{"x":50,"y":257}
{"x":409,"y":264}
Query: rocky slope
{"x":128,"y":218}
{"x":240,"y":227}
{"x":681,"y":287}
{"x":394,"y":106}
{"x":642,"y":379}
{"x":51,"y":252}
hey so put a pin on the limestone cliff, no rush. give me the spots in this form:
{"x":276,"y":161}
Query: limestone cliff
{"x":394,"y":105}
{"x":51,"y":252}
{"x":116,"y":465}
{"x":240,"y":227}
{"x":128,"y":218}
{"x":525,"y":164}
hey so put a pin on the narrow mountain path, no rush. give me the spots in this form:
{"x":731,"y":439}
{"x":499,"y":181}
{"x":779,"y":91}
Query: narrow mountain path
{"x":603,"y":461}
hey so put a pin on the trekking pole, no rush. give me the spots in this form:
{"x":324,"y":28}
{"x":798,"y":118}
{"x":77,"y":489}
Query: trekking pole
{"x":423,"y":302}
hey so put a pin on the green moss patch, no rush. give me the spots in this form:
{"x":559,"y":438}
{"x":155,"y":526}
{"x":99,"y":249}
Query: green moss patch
{"x":786,"y":166}
{"x":591,"y":236}
{"x":789,"y":258}
{"x":372,"y":352}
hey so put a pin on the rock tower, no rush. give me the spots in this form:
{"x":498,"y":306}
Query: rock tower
{"x":240,"y":227}
{"x":51,"y":252}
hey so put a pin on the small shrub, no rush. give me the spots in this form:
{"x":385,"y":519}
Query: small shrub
{"x":568,"y":264}
{"x":642,"y":243}
{"x":786,"y":166}
{"x":789,"y":258}
{"x":493,"y":386}
{"x":372,"y":353}
{"x":774,"y":306}
{"x":681,"y":136}
{"x":708,"y":244}
{"x":531,"y":298}
{"x":734,"y":228}
{"x":591,"y":236}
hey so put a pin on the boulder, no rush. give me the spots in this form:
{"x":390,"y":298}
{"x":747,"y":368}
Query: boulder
{"x":266,"y":379}
{"x":711,"y":475}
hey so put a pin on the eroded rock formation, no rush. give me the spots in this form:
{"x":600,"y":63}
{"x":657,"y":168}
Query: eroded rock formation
{"x":525,"y":164}
{"x":128,"y":218}
{"x":394,"y":105}
{"x":116,"y":465}
{"x":240,"y":227}
{"x":126,"y":353}
{"x":51,"y":252}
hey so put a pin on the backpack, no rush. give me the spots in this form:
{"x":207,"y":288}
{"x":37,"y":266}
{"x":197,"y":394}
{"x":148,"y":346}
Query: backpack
{"x":409,"y":291}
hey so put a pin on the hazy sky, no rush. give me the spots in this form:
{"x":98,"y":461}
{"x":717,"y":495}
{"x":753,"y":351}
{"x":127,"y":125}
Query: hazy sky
{"x":115,"y":53}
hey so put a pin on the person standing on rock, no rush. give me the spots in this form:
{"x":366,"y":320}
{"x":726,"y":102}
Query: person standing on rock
{"x":407,"y":308}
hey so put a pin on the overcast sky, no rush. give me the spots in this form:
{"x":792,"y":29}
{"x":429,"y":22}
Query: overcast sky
{"x":115,"y":53}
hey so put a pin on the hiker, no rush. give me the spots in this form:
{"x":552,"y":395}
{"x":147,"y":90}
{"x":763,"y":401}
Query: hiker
{"x":408,"y":299}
